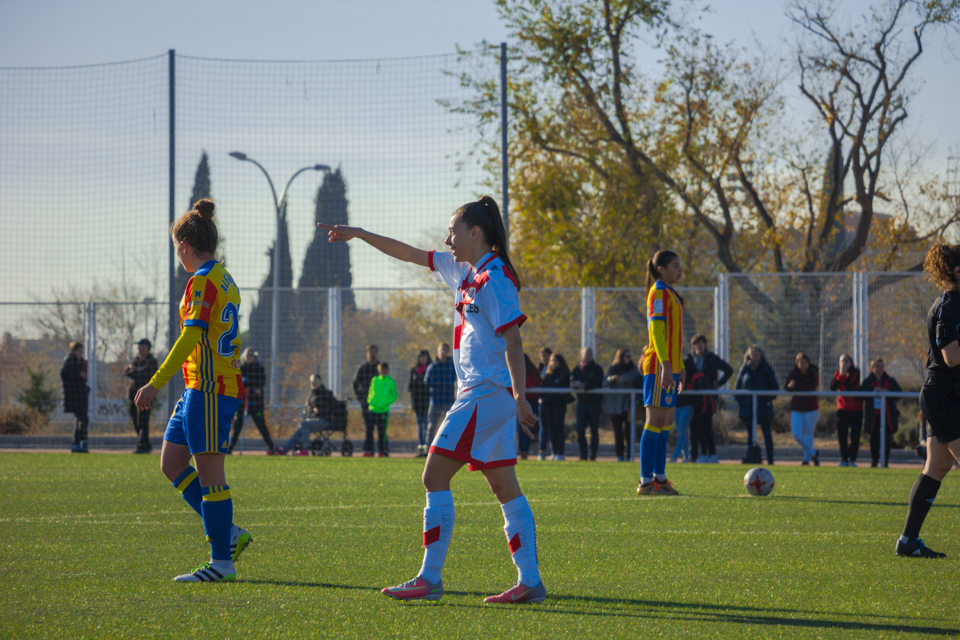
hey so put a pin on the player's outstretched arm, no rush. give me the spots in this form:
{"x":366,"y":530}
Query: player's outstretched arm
{"x":389,"y":246}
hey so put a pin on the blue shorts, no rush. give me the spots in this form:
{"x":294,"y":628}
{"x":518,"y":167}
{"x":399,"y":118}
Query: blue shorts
{"x":655,"y":396}
{"x":201,"y":421}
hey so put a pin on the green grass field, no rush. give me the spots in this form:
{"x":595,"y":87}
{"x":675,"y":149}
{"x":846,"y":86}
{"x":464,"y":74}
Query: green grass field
{"x":89,"y":544}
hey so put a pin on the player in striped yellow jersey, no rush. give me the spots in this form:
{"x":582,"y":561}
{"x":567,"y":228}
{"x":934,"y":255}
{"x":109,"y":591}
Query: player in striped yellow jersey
{"x":208,"y":353}
{"x":662,"y":370}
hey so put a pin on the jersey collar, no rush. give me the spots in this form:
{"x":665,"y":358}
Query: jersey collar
{"x":205,"y":268}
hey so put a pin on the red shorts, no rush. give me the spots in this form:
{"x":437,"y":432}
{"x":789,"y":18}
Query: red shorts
{"x":479,"y":428}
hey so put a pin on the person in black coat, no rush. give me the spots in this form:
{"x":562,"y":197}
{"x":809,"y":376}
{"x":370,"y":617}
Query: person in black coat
{"x":76,"y":394}
{"x":878,"y":380}
{"x":140,"y":370}
{"x":588,"y":375}
{"x":420,"y":400}
{"x":366,"y":372}
{"x":756,"y":374}
{"x":254,"y":380}
{"x":704,"y":370}
{"x":553,"y":407}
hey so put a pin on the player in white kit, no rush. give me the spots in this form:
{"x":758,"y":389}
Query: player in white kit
{"x":479,"y":428}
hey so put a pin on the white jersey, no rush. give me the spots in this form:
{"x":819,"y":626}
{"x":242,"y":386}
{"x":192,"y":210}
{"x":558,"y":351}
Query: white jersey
{"x":486,"y":303}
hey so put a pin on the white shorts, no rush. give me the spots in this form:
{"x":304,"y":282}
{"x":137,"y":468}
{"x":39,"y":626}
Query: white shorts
{"x":479,"y":428}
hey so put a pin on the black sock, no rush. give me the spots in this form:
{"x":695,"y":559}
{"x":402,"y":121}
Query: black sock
{"x":921,"y":499}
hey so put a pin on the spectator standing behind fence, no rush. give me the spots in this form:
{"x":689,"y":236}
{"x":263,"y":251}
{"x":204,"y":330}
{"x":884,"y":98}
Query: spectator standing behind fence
{"x":939,"y":396}
{"x":620,"y":375}
{"x":533,"y":381}
{"x":318,"y":413}
{"x":681,"y":419}
{"x":382,"y":394}
{"x":586,"y":376}
{"x":804,"y":410}
{"x":254,"y":380}
{"x":420,"y":400}
{"x":76,"y":394}
{"x":366,"y":372}
{"x":849,"y":410}
{"x":878,"y":380}
{"x":705,"y":370}
{"x":756,"y":374}
{"x":545,"y":353}
{"x":140,"y":370}
{"x":553,"y":407}
{"x":441,"y":381}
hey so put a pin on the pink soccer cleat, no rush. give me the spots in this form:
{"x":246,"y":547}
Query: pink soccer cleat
{"x":416,"y":589}
{"x":520,"y":594}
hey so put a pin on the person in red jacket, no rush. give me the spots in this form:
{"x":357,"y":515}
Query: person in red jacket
{"x":849,"y":411}
{"x":804,"y":410}
{"x":879,"y":380}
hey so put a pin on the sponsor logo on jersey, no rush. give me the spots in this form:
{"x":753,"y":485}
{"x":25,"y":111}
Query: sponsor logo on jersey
{"x":658,"y":307}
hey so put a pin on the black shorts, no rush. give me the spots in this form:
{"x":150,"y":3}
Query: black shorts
{"x":940,"y":403}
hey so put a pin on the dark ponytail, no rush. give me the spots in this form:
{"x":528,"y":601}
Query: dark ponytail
{"x":485,"y":213}
{"x":660,"y":259}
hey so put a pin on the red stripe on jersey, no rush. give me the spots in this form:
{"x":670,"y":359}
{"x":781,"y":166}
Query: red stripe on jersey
{"x":511,"y":276}
{"x":430,"y":261}
{"x":186,"y":375}
{"x":221,"y":388}
{"x":240,"y":390}
{"x":431,"y":535}
{"x":457,"y":333}
{"x":209,"y":299}
{"x":514,"y":543}
{"x":519,"y":320}
{"x":465,"y":444}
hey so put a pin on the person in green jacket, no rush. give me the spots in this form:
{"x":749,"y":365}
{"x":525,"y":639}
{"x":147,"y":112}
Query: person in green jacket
{"x":382,"y":394}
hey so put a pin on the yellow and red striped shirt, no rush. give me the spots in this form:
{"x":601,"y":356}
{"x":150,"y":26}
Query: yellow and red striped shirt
{"x":212,"y":303}
{"x":663,"y":305}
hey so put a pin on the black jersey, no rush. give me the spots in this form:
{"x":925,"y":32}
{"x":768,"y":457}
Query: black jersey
{"x":943,"y":327}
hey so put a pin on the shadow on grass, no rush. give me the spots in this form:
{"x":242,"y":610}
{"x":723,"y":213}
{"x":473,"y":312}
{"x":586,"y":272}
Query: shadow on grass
{"x":875,"y":503}
{"x":729,"y":614}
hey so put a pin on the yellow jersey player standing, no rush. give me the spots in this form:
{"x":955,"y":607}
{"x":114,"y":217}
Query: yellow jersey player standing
{"x":208,"y":351}
{"x":662,"y":366}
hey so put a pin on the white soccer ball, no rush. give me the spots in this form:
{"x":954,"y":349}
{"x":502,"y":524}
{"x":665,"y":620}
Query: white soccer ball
{"x":758,"y":481}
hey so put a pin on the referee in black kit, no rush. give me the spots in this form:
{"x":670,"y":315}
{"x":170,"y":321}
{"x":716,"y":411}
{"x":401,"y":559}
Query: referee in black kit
{"x":939,"y":397}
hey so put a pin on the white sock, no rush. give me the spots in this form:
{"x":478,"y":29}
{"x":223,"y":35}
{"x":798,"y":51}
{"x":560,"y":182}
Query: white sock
{"x":521,"y":533}
{"x":904,"y":539}
{"x":643,"y":480}
{"x":660,"y":477}
{"x":438,"y":519}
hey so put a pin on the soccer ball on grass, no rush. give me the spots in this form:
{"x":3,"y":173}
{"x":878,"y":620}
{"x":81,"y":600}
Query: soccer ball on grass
{"x":758,"y":481}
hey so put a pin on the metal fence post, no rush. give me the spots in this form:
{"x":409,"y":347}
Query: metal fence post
{"x":334,"y":340}
{"x":883,"y":430}
{"x":90,"y":338}
{"x":588,"y":317}
{"x":753,"y":427}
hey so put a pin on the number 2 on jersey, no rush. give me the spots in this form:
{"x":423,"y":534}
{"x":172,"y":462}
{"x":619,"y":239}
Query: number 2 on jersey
{"x":225,"y":344}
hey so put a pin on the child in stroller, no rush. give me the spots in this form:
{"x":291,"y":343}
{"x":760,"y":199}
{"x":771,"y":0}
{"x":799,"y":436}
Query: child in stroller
{"x":322,"y":414}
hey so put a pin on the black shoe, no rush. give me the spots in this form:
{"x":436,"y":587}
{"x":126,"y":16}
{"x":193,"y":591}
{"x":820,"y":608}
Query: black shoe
{"x":815,"y":459}
{"x":917,"y":549}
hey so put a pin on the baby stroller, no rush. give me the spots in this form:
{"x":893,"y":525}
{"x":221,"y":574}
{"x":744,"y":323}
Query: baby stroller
{"x":321,"y":444}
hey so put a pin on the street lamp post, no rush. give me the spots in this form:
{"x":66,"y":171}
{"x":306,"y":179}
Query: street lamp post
{"x":274,"y":341}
